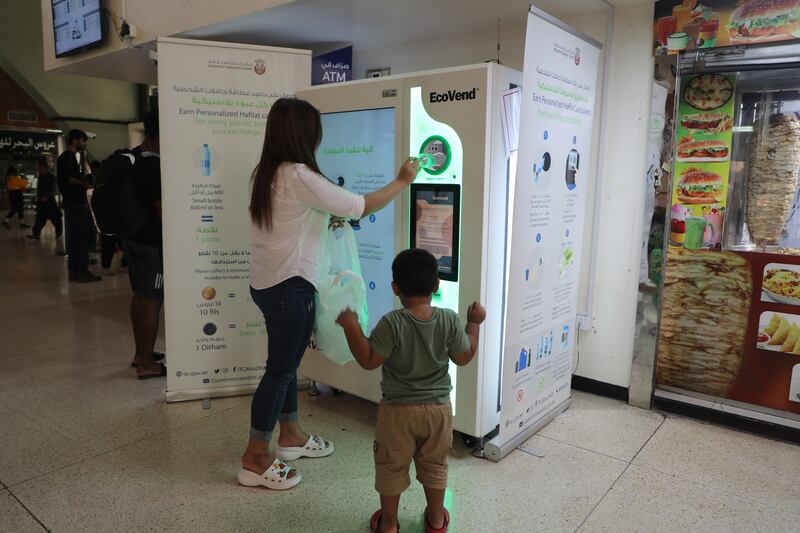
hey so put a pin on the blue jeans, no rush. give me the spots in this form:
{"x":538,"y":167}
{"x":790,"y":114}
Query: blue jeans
{"x":76,"y":220}
{"x":288,"y":310}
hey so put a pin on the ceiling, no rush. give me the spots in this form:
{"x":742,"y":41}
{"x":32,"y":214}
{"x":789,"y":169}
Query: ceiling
{"x":372,"y":24}
{"x":367,"y":24}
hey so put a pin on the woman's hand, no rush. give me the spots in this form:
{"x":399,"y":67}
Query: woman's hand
{"x":408,"y":172}
{"x":379,"y":199}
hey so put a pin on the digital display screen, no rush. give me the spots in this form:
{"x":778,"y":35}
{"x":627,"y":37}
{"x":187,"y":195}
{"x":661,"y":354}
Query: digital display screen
{"x":357,"y":152}
{"x":77,"y":25}
{"x":435,"y":225}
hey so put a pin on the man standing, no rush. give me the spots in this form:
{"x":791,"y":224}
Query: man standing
{"x":73,"y":184}
{"x":144,"y":253}
{"x":46,"y":206}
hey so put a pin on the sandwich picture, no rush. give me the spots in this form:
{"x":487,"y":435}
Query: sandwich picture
{"x":760,"y":21}
{"x":706,"y":122}
{"x":693,"y":151}
{"x":697,"y":186}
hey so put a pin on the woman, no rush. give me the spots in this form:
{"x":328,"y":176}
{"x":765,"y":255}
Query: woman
{"x":290,"y":209}
{"x":15,"y":184}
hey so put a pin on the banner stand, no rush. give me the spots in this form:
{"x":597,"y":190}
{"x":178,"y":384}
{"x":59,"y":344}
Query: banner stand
{"x":214,"y":100}
{"x":552,"y":184}
{"x":216,"y":392}
{"x":495,"y":451}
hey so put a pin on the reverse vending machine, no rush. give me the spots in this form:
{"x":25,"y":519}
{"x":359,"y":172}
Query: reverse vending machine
{"x":458,"y":208}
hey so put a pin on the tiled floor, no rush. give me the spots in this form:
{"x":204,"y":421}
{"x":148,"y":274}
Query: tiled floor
{"x":84,"y":446}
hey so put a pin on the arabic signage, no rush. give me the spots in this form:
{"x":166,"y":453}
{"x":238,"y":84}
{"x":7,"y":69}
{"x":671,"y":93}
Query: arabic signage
{"x":688,"y":24}
{"x":212,"y":128}
{"x":332,"y":67}
{"x":22,"y":142}
{"x":551,"y":184}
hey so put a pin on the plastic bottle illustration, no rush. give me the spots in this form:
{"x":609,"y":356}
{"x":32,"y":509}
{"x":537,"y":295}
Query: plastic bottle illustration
{"x":206,"y":161}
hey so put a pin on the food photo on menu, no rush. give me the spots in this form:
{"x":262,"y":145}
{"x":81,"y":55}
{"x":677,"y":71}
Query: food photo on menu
{"x":698,"y":186}
{"x":706,"y":123}
{"x":689,"y":24}
{"x":779,"y":332}
{"x":708,"y":91}
{"x":704,"y":151}
{"x":781,"y":284}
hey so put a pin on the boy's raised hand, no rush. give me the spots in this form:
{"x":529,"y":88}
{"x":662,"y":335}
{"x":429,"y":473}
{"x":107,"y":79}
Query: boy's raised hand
{"x":476,"y":314}
{"x":346,"y":317}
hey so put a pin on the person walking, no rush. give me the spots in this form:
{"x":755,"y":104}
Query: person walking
{"x":15,"y":185}
{"x":73,"y":184}
{"x":290,"y":209}
{"x":46,"y":205}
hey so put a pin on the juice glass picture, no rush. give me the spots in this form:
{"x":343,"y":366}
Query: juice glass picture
{"x":713,"y":232}
{"x":666,"y":27}
{"x":708,"y":34}
{"x":695,"y":230}
{"x":693,"y":30}
{"x":683,"y":14}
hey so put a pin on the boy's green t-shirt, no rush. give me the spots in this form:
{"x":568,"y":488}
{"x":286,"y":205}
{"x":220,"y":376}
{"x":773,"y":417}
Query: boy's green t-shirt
{"x":418,"y":354}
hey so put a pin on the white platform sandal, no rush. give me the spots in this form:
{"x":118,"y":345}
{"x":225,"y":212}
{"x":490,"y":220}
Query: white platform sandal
{"x":276,"y":477}
{"x":315,"y":447}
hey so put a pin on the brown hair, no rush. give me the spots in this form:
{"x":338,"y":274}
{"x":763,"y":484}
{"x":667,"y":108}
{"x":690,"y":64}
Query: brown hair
{"x":293,"y":133}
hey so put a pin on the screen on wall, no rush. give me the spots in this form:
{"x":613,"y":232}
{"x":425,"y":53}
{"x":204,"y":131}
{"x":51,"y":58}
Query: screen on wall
{"x":77,"y":25}
{"x":357,"y":152}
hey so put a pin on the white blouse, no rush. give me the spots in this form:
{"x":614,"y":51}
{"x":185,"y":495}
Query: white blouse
{"x":302,"y":202}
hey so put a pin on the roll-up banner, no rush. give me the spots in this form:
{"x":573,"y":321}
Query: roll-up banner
{"x":214,"y":99}
{"x":558,"y":96}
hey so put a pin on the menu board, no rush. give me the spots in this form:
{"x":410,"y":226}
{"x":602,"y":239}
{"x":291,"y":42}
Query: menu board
{"x":688,"y":24}
{"x":730,"y":327}
{"x":700,"y":184}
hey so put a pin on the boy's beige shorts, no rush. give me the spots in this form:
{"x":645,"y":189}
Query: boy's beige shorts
{"x":422,"y":433}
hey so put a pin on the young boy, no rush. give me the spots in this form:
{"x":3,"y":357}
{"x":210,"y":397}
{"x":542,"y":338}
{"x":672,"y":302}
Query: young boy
{"x":414,"y":345}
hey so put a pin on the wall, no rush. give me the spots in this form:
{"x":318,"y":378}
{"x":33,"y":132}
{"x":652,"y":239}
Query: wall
{"x":465,"y":50}
{"x":152,"y":18}
{"x":13,"y":98}
{"x":606,"y":352}
{"x":64,"y":95}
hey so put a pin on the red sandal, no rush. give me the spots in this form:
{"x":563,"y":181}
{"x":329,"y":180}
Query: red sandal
{"x":375,"y":523}
{"x":443,"y":529}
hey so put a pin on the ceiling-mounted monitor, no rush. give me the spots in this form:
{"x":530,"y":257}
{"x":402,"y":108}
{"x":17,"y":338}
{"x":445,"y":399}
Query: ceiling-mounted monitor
{"x":77,"y":25}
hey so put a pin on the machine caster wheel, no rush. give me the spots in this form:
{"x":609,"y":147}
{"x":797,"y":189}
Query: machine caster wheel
{"x":314,"y":389}
{"x":337,"y":392}
{"x":469,"y":441}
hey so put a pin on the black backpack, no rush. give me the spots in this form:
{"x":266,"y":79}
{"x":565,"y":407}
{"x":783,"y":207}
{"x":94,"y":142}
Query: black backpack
{"x":115,"y":204}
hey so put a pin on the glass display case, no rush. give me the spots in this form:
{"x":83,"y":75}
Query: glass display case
{"x":728,"y":333}
{"x":765,"y":162}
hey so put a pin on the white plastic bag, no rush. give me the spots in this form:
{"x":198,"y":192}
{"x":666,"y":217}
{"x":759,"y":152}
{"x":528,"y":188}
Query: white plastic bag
{"x":341,"y":286}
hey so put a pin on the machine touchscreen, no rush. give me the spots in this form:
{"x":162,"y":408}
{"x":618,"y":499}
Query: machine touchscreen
{"x":435,"y":225}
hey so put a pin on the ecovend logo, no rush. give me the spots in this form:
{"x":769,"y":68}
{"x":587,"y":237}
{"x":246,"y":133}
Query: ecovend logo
{"x":453,"y":95}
